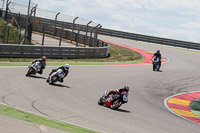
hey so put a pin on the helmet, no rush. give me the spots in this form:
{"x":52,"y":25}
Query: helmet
{"x":66,"y":66}
{"x":44,"y":58}
{"x":126,"y":88}
{"x":158,"y":51}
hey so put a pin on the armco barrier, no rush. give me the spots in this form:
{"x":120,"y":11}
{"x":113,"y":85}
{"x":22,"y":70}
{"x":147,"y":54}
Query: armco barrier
{"x":150,"y":39}
{"x":27,"y":51}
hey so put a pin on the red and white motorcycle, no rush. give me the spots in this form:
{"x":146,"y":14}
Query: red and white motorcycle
{"x":114,"y":101}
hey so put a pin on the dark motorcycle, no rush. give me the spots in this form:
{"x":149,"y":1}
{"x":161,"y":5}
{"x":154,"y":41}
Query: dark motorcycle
{"x":34,"y":68}
{"x":56,"y":76}
{"x":156,"y":63}
{"x":114,"y":101}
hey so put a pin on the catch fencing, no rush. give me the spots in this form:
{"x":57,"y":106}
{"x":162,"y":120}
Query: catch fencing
{"x":57,"y":25}
{"x":80,"y":34}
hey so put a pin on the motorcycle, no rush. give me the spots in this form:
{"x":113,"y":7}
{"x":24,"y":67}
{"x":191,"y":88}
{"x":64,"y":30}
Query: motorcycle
{"x":56,"y":76}
{"x":156,"y":63}
{"x":34,"y":68}
{"x":114,"y":101}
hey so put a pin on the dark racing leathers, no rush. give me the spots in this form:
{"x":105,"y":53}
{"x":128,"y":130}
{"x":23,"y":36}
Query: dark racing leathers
{"x":158,"y":55}
{"x":43,"y":65}
{"x":108,"y":93}
{"x":66,"y":71}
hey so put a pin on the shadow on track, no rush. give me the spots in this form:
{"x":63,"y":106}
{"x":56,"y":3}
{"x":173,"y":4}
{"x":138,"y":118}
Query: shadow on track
{"x":122,"y":110}
{"x":37,"y":77}
{"x":159,"y":71}
{"x":60,"y":85}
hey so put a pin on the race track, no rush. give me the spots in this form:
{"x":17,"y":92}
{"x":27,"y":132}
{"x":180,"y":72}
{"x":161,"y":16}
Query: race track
{"x":75,"y":100}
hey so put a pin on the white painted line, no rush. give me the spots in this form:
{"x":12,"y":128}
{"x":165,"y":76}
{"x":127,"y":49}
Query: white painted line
{"x":166,"y":105}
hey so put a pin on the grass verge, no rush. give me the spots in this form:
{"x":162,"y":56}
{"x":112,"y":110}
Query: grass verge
{"x":10,"y":64}
{"x":28,"y":117}
{"x":195,"y":107}
{"x":13,"y":38}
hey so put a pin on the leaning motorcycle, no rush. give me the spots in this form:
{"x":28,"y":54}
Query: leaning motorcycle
{"x":114,"y":101}
{"x":34,"y":68}
{"x":56,"y":76}
{"x":156,"y":63}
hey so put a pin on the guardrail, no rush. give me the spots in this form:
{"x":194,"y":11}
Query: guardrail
{"x":150,"y":39}
{"x":27,"y":51}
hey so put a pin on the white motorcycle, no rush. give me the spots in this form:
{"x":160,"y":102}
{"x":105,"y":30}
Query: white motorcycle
{"x":156,"y":63}
{"x":56,"y":76}
{"x":34,"y":68}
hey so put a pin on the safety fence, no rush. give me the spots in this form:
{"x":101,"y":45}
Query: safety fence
{"x":150,"y":39}
{"x":60,"y":26}
{"x":28,"y":51}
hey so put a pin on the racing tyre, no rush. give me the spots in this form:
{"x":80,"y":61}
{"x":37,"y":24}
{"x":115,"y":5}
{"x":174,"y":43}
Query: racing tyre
{"x":116,"y":105}
{"x":100,"y":101}
{"x":30,"y":71}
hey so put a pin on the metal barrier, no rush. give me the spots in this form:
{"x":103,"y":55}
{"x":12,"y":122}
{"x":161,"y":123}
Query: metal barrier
{"x":150,"y":39}
{"x":27,"y":51}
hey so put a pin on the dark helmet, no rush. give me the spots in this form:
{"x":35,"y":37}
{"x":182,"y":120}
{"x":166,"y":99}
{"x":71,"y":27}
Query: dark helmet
{"x":158,"y":51}
{"x":126,"y":88}
{"x":66,"y":66}
{"x":44,"y":58}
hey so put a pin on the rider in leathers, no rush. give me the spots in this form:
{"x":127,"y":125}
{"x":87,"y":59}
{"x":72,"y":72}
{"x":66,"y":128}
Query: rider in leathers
{"x":108,"y":93}
{"x":158,"y":55}
{"x":42,"y":62}
{"x":65,"y":69}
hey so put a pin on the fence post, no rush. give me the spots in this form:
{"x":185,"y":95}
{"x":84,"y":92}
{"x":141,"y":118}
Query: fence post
{"x":96,"y":35}
{"x":4,"y":33}
{"x":54,"y":33}
{"x":86,"y":32}
{"x":61,"y":33}
{"x":91,"y":34}
{"x":73,"y":28}
{"x":77,"y":37}
{"x":8,"y":34}
{"x":7,"y":7}
{"x":43,"y":37}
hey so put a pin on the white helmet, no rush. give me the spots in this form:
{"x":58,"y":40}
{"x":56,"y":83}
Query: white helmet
{"x":66,"y":66}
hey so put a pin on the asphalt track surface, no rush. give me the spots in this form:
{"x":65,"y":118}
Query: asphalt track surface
{"x":75,"y":100}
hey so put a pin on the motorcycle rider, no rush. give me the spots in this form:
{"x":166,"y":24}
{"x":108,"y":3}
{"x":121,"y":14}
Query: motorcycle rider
{"x":42,"y":62}
{"x":64,"y":68}
{"x":108,"y":93}
{"x":158,"y":55}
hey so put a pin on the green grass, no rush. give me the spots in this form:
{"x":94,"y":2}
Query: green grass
{"x":28,"y":117}
{"x":13,"y":37}
{"x":197,"y":113}
{"x":195,"y":107}
{"x":9,"y":64}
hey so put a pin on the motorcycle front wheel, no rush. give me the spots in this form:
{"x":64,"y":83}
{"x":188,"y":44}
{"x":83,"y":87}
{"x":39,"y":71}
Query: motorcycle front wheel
{"x":116,"y":105}
{"x":30,"y":71}
{"x":53,"y":80}
{"x":100,"y":101}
